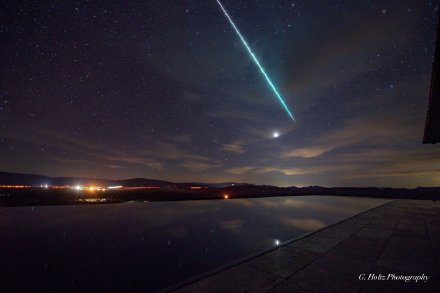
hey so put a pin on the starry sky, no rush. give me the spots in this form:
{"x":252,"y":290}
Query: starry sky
{"x":166,"y":90}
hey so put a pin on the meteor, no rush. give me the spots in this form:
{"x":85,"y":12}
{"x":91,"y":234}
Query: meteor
{"x":256,"y":61}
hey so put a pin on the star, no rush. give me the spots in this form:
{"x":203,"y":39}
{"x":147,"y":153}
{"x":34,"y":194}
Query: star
{"x":161,"y":88}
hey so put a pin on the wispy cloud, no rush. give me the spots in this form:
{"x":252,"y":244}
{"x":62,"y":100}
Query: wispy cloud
{"x":154,"y":156}
{"x":304,"y":152}
{"x":372,"y":130}
{"x":240,"y":170}
{"x":233,"y":148}
{"x":199,"y":166}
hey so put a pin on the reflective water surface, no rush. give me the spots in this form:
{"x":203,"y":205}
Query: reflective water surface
{"x":147,"y":246}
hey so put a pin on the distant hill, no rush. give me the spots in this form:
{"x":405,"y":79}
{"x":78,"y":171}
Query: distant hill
{"x":7,"y":178}
{"x":143,"y":182}
{"x":237,"y":189}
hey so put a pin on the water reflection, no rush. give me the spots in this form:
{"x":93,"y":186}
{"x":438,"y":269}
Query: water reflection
{"x":151,"y":245}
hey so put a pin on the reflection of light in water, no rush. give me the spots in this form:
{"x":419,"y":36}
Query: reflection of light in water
{"x":159,"y":222}
{"x":92,"y":200}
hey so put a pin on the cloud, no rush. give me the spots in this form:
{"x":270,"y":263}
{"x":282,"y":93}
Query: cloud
{"x":347,"y":48}
{"x":168,"y":150}
{"x":199,"y":166}
{"x":70,"y":161}
{"x":154,"y":156}
{"x":136,"y":160}
{"x":304,"y":152}
{"x":370,"y":130}
{"x":240,"y":170}
{"x":115,"y":167}
{"x":233,"y":148}
{"x":288,"y":171}
{"x":394,"y":163}
{"x":307,"y":170}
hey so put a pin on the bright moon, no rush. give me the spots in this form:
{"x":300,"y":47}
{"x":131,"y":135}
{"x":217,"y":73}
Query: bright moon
{"x":275,"y":134}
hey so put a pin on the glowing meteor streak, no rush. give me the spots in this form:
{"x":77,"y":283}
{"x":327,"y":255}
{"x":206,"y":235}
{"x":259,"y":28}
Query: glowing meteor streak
{"x":256,"y":62}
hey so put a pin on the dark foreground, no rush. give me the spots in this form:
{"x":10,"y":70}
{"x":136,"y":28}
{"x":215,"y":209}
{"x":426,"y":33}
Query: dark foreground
{"x":68,"y":196}
{"x":143,"y":247}
{"x":371,"y":252}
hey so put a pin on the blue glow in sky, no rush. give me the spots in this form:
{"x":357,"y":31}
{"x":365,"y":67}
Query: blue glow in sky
{"x":257,"y":62}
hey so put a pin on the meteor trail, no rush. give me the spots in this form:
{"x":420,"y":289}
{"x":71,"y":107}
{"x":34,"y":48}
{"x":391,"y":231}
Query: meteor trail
{"x":257,"y":62}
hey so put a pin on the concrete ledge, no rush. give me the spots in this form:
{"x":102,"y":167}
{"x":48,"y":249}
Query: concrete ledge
{"x":399,"y":237}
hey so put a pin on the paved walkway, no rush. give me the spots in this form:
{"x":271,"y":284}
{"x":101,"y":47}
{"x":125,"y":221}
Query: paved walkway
{"x":401,"y":238}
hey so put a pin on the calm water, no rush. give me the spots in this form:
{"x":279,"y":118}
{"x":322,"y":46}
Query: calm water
{"x":146,"y":246}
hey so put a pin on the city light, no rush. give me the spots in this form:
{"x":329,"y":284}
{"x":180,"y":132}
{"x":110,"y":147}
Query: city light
{"x":15,"y":186}
{"x":89,"y":188}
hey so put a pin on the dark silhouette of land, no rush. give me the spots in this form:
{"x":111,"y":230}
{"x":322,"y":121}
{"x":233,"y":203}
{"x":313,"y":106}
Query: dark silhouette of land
{"x":61,"y":191}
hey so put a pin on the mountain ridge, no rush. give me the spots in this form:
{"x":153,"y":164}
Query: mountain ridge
{"x":10,"y":178}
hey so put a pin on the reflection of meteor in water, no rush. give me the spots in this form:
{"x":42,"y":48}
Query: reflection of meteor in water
{"x":257,"y":62}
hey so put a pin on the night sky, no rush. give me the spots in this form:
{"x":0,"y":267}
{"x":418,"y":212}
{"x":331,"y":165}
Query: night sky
{"x":166,"y":90}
